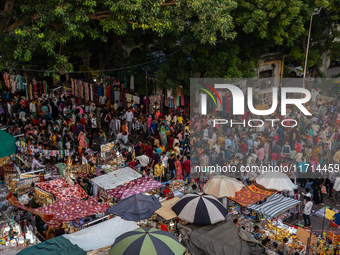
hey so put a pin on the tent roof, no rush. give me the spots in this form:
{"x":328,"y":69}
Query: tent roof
{"x":251,"y":194}
{"x":102,"y":234}
{"x":58,"y":245}
{"x":141,"y":185}
{"x":7,"y":144}
{"x":116,"y":178}
{"x":275,"y":205}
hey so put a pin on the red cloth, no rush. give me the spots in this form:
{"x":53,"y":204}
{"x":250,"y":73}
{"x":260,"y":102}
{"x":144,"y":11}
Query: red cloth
{"x":62,"y":189}
{"x":141,"y":185}
{"x":249,"y":195}
{"x":71,"y":210}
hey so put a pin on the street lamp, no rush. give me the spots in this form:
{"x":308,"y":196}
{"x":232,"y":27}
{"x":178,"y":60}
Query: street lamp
{"x":316,"y":11}
{"x":146,"y":69}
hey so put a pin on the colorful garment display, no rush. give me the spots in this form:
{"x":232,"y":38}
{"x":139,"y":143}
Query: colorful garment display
{"x":141,"y":185}
{"x":249,"y":195}
{"x":62,"y":189}
{"x":71,"y":210}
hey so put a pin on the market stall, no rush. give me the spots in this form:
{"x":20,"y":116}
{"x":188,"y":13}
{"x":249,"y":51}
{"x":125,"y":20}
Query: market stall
{"x":142,"y":185}
{"x":249,"y":195}
{"x":113,"y":180}
{"x":13,"y":235}
{"x":65,"y":211}
{"x":62,"y":189}
{"x":275,"y":205}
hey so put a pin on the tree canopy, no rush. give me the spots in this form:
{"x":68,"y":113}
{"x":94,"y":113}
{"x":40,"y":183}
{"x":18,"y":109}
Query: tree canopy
{"x":209,"y":38}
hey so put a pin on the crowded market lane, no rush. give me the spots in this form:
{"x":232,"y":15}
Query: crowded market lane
{"x":77,"y":161}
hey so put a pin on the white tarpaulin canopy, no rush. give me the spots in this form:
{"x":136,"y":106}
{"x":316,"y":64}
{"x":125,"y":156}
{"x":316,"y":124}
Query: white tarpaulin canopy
{"x":116,"y":178}
{"x":102,"y":234}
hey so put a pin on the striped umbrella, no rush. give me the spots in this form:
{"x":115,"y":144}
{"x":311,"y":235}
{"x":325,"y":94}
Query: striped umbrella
{"x":200,"y":209}
{"x":146,"y":241}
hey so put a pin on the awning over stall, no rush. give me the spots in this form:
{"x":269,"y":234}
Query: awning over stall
{"x":141,"y":185}
{"x":71,"y":210}
{"x":102,"y":234}
{"x":62,"y":189}
{"x":116,"y":178}
{"x":57,"y":245}
{"x":275,"y":205}
{"x":251,"y":194}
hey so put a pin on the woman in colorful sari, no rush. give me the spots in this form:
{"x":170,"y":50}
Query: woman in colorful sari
{"x":163,"y":135}
{"x":178,"y":165}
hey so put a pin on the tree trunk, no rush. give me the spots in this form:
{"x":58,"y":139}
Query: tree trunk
{"x":315,"y":69}
{"x":7,"y":12}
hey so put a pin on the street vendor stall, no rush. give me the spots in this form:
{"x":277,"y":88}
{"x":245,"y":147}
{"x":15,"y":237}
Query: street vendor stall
{"x":114,"y":179}
{"x":251,"y":194}
{"x":62,"y":189}
{"x":65,"y":211}
{"x":141,"y":185}
{"x":275,"y":205}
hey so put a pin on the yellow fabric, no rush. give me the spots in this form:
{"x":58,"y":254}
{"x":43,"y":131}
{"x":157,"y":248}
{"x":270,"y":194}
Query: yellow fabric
{"x":330,"y":214}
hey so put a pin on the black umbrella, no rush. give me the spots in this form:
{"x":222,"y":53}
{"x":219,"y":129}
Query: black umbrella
{"x":137,"y":207}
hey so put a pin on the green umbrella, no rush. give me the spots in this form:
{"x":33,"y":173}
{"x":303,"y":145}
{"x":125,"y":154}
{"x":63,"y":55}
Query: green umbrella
{"x":147,"y":241}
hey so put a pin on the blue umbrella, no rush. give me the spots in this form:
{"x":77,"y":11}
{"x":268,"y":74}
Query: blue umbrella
{"x":135,"y":208}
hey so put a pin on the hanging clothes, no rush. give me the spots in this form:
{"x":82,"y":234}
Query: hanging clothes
{"x":178,"y":101}
{"x":82,"y":89}
{"x":91,"y":92}
{"x":182,"y":100}
{"x":117,"y":95}
{"x":122,"y":92}
{"x":72,"y":86}
{"x":100,"y":89}
{"x":31,"y":91}
{"x":43,"y":87}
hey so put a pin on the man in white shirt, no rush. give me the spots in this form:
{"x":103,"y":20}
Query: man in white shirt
{"x":102,"y":100}
{"x":129,"y":118}
{"x":33,"y":108}
{"x":83,"y":160}
{"x":94,"y":126}
{"x":307,"y":211}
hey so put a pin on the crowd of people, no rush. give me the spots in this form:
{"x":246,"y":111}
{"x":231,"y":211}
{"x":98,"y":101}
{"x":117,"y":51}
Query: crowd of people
{"x":57,"y":122}
{"x":167,"y":147}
